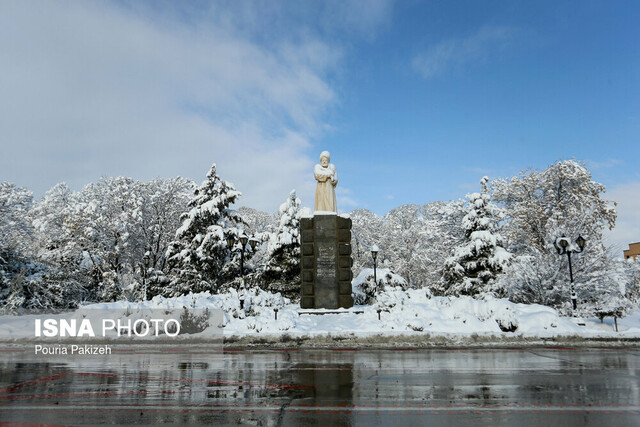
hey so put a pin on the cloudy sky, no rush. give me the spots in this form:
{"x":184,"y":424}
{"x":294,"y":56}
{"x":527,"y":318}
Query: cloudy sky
{"x":415,"y":100}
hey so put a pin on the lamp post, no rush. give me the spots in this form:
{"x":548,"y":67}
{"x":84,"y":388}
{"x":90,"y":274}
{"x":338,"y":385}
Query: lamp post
{"x":243,"y":244}
{"x":374,"y":254}
{"x":563,"y":246}
{"x":145,"y":263}
{"x":253,"y":242}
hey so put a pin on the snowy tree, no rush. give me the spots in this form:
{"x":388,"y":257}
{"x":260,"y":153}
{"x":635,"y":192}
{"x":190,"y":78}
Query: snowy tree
{"x":15,"y":229}
{"x":367,"y":230}
{"x":100,"y":235}
{"x":50,"y":217}
{"x":540,"y":207}
{"x":257,"y":221}
{"x":26,"y":281}
{"x":402,"y":237}
{"x":163,"y":202}
{"x":414,"y":240}
{"x":474,"y":266}
{"x":102,"y":228}
{"x":563,"y":196}
{"x":440,"y":233}
{"x":198,"y":254}
{"x":16,"y":236}
{"x":281,"y":273}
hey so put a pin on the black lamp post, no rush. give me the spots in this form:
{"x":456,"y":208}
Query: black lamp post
{"x":145,"y":263}
{"x":374,"y":254}
{"x":243,"y":244}
{"x":563,"y":246}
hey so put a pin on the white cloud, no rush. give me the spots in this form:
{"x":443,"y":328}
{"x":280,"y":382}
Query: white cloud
{"x":627,"y":229}
{"x":458,"y":52}
{"x":483,"y":171}
{"x":469,"y":186}
{"x":345,"y":204}
{"x":605,"y":164}
{"x":92,"y":89}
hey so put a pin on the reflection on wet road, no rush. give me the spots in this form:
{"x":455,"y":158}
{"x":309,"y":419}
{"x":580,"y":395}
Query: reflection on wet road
{"x":558,"y":386}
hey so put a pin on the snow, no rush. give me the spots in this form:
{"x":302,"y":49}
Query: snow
{"x":402,"y":312}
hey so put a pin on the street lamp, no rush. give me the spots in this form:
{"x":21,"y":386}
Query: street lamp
{"x":374,"y":254}
{"x":253,"y":242}
{"x":563,"y":246}
{"x":145,"y":262}
{"x":230,"y":242}
{"x":243,"y":244}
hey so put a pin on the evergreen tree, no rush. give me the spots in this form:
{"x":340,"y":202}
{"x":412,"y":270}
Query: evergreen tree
{"x":474,"y":266}
{"x":281,"y":272}
{"x":199,"y":252}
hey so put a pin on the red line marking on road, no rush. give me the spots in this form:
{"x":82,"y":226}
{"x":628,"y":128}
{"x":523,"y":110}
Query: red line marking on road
{"x":23,"y":384}
{"x":23,"y":424}
{"x":345,"y":349}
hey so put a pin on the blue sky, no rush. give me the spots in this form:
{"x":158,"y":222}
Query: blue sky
{"x":415,"y":100}
{"x":518,"y":86}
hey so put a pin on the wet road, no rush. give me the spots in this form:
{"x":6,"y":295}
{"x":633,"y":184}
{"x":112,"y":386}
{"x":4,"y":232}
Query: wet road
{"x":554,"y":386}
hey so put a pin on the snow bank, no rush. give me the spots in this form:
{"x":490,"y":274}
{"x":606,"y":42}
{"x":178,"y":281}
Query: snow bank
{"x":402,"y":312}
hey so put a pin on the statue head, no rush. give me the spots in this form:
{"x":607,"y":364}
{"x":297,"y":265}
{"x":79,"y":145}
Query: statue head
{"x":325,"y":158}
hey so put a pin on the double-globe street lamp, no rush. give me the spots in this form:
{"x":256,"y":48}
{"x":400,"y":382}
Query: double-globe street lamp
{"x":564,"y":246}
{"x":243,"y":244}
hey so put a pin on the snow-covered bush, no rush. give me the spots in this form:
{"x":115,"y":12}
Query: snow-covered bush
{"x":364,"y":287}
{"x":506,"y":320}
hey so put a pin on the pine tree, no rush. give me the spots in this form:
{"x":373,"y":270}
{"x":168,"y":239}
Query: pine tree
{"x":198,"y":255}
{"x":281,"y":273}
{"x":474,"y":266}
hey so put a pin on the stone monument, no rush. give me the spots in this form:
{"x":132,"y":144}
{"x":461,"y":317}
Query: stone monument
{"x":326,"y":247}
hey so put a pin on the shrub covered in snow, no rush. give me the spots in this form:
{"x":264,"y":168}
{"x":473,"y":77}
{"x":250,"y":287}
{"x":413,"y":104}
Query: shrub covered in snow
{"x":364,"y":287}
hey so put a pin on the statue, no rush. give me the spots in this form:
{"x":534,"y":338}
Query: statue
{"x":325,"y":174}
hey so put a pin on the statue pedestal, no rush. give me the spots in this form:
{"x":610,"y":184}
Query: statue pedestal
{"x":326,"y":262}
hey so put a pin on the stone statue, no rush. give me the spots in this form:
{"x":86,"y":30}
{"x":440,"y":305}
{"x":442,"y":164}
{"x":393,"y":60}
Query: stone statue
{"x":325,"y":174}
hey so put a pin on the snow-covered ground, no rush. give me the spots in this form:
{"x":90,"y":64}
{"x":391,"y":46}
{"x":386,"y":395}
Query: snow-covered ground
{"x":402,"y":312}
{"x":412,"y":313}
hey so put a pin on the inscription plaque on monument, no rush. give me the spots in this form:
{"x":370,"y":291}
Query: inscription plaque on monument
{"x":326,"y":262}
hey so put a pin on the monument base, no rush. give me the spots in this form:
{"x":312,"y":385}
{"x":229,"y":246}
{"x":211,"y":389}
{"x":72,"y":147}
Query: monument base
{"x":326,"y":262}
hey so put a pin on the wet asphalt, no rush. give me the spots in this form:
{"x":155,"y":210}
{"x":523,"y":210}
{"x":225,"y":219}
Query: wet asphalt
{"x":330,"y":387}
